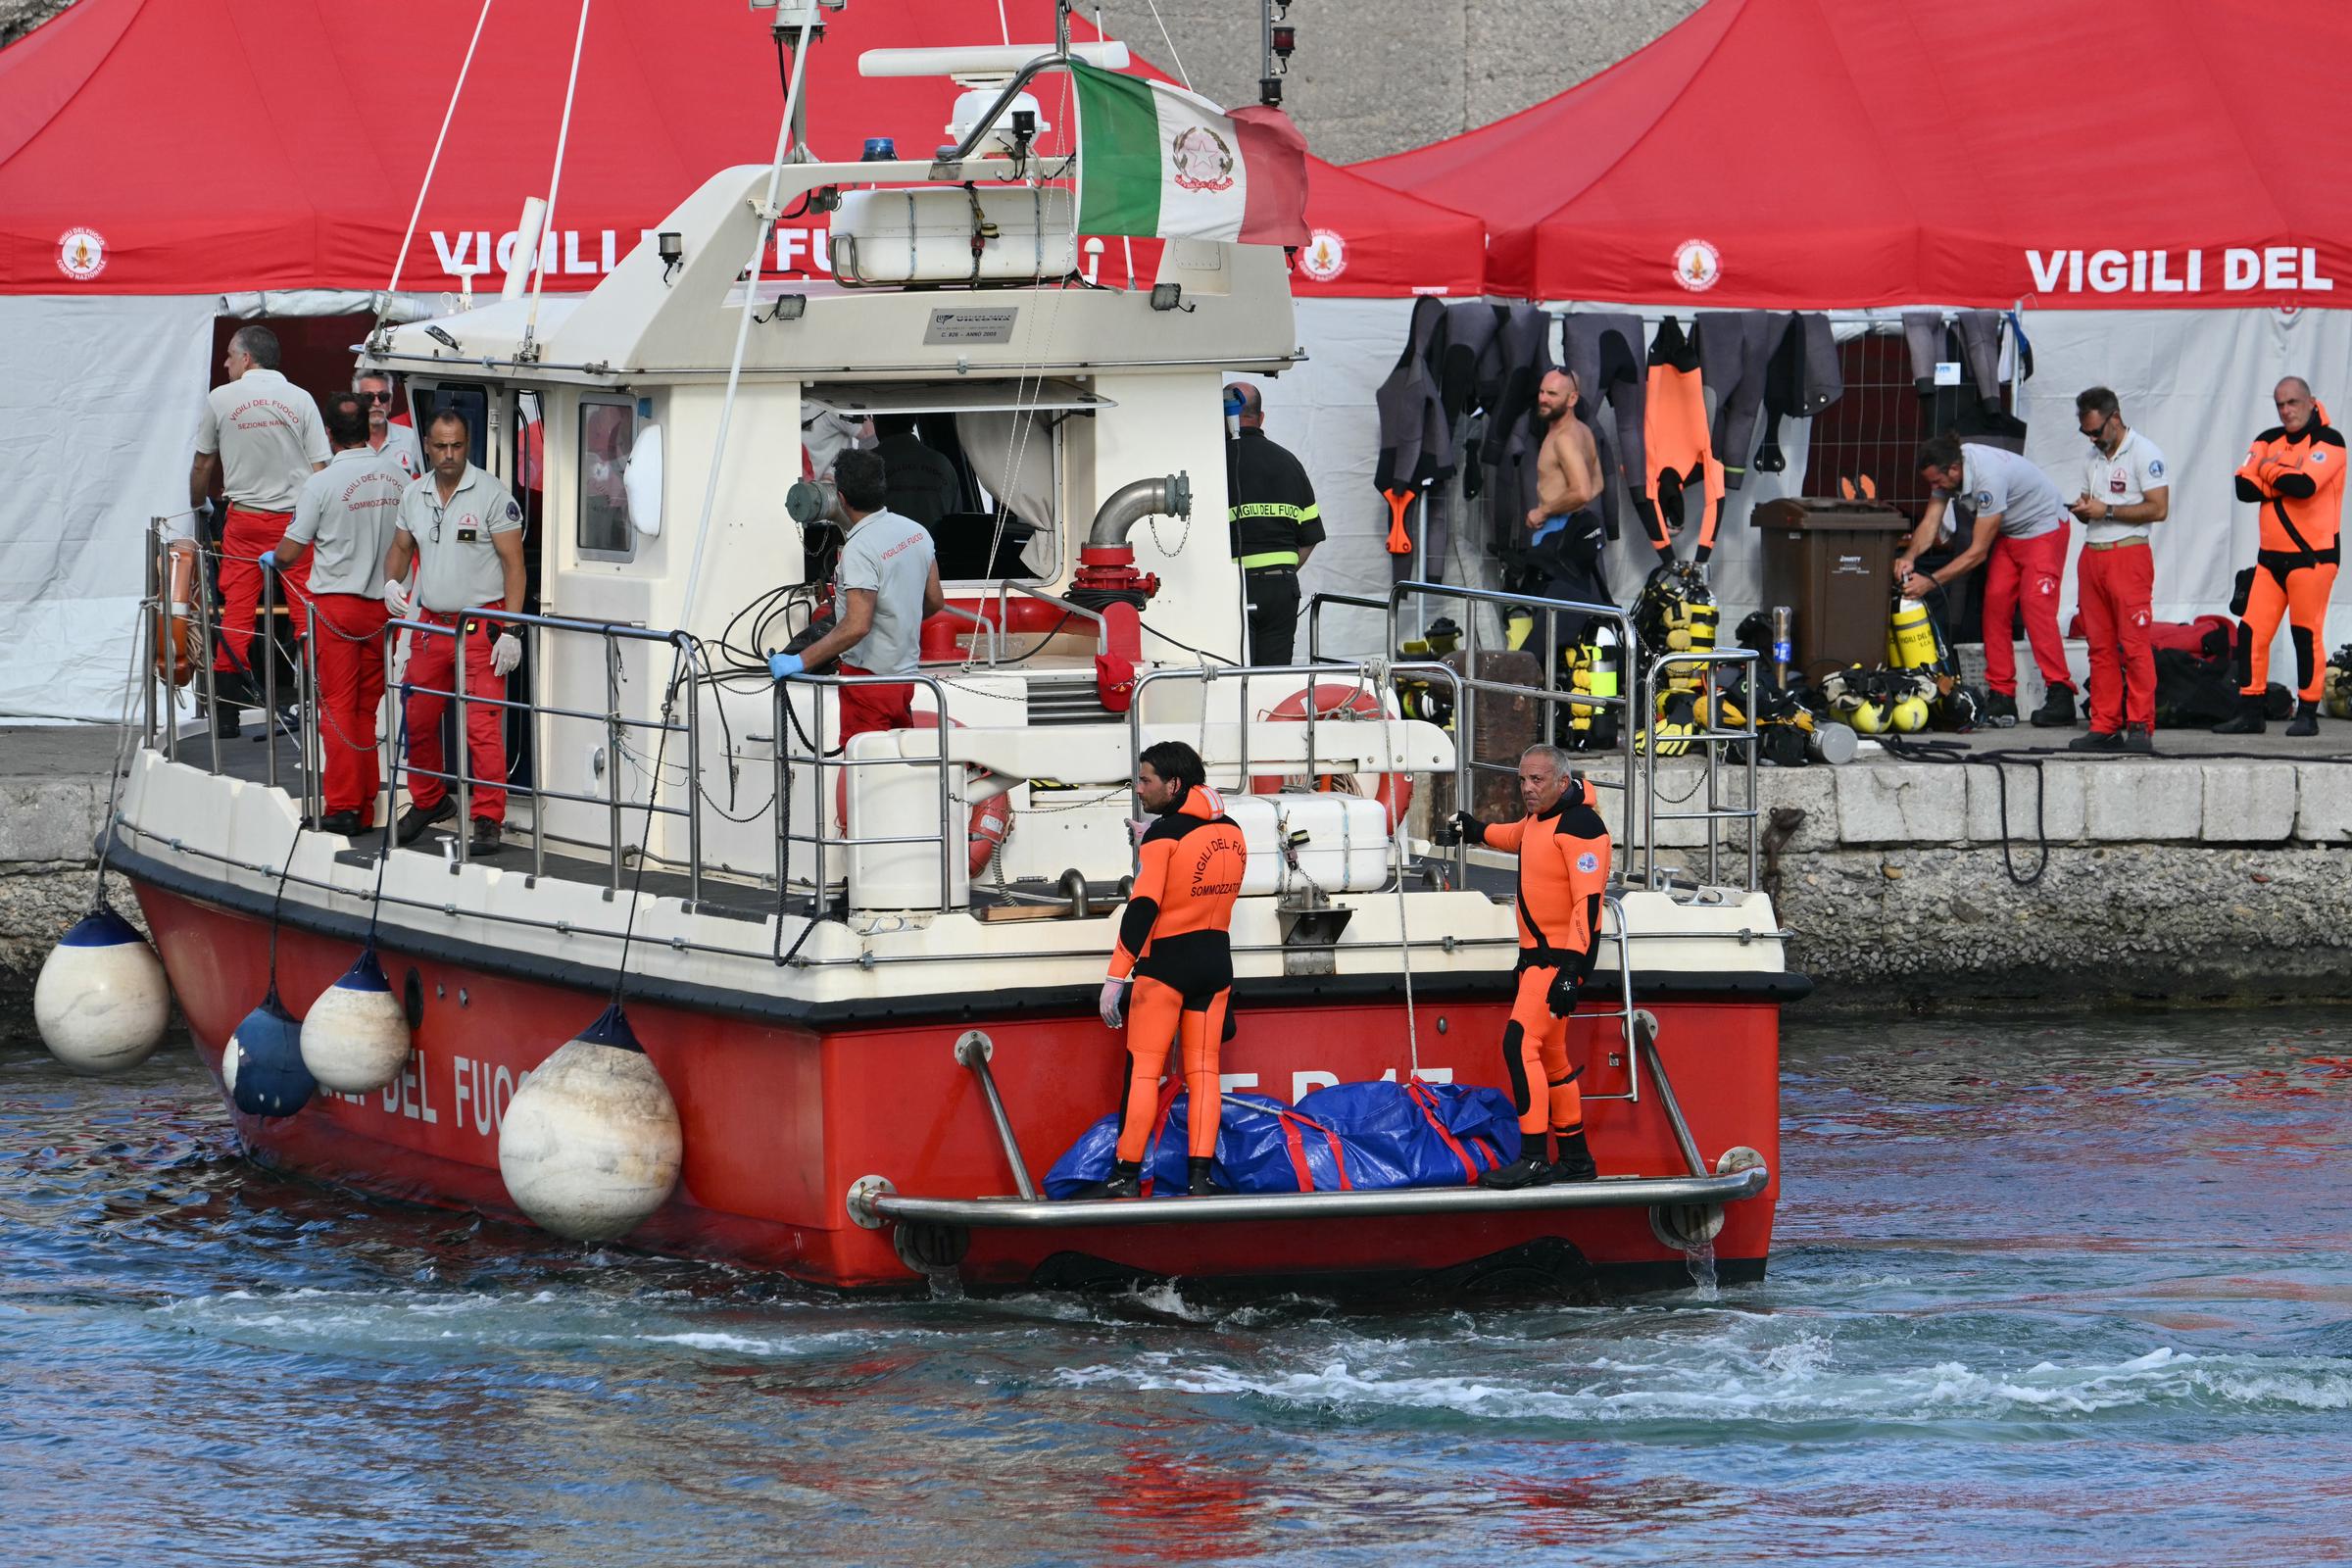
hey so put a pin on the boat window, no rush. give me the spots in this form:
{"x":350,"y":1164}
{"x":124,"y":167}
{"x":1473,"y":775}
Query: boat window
{"x":427,"y":400}
{"x":606,"y":432}
{"x":976,"y":463}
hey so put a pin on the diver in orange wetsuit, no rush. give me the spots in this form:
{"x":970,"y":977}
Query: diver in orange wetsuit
{"x":1563,"y":850}
{"x":2294,"y":474}
{"x":1173,"y":940}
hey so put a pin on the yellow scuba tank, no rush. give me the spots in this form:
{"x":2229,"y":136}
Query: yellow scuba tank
{"x":1595,"y":672}
{"x":1911,"y":637}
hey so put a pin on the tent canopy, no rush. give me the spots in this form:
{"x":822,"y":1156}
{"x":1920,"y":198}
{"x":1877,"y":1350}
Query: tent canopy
{"x":1825,"y":154}
{"x":215,"y":146}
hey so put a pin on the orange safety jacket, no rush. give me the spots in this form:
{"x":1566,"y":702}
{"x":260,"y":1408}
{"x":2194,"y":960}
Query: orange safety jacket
{"x":1563,"y":871}
{"x":1188,"y":876}
{"x":2298,"y":482}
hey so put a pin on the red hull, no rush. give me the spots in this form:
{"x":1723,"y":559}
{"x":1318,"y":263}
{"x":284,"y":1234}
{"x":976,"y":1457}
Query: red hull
{"x":781,"y":1121}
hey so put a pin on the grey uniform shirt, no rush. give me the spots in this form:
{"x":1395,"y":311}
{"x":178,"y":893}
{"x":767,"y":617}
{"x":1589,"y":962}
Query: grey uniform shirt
{"x":456,"y":564}
{"x":267,"y":433}
{"x":1997,"y":482}
{"x":400,"y":445}
{"x":346,"y":513}
{"x":891,"y":557}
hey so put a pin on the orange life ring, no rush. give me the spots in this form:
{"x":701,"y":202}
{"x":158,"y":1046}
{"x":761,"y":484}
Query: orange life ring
{"x":1394,"y":791}
{"x":174,"y":619}
{"x":991,"y":822}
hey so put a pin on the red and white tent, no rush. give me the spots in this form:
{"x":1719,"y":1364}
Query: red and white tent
{"x":2151,"y":188}
{"x":164,"y":163}
{"x":1833,"y":154}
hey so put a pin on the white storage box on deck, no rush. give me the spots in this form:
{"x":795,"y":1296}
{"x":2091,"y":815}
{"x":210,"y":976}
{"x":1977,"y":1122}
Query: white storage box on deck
{"x":1347,"y":848}
{"x":924,"y":236}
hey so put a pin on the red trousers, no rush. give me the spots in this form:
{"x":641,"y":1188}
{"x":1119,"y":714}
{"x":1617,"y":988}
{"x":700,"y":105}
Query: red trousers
{"x":245,"y":537}
{"x":2024,"y":575}
{"x":432,"y":662}
{"x":348,"y":631}
{"x":2116,"y":588}
{"x":1534,"y":1050}
{"x":867,"y":708}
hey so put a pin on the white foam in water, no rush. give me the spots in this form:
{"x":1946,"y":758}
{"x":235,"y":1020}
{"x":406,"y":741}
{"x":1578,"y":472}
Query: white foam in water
{"x":1796,"y":1382}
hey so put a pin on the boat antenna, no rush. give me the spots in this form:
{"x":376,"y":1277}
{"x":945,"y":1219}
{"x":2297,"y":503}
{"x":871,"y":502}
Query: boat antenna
{"x":383,"y":309}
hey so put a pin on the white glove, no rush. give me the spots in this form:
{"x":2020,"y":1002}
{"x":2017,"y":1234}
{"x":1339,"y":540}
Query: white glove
{"x":397,"y":600}
{"x":1114,"y":993}
{"x":504,"y":654}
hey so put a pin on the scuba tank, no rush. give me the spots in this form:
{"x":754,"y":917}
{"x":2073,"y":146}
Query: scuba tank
{"x":1911,"y":640}
{"x":1595,"y":669}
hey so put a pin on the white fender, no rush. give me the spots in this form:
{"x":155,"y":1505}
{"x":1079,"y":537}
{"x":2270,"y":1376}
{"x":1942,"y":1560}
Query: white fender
{"x":102,"y":1001}
{"x":591,"y":1143}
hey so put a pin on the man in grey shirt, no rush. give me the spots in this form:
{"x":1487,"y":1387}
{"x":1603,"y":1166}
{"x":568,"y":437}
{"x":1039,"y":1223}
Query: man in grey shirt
{"x":2018,"y":525}
{"x":464,"y":532}
{"x":886,"y":582}
{"x":345,"y":516}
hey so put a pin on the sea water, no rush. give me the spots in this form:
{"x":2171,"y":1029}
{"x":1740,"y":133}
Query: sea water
{"x":2044,"y":1291}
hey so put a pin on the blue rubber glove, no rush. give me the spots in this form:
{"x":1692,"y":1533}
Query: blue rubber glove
{"x":783,"y":666}
{"x":268,"y":561}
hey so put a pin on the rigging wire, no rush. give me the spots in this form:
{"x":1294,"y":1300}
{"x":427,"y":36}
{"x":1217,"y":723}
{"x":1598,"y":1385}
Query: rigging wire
{"x":400,"y":261}
{"x":554,"y":182}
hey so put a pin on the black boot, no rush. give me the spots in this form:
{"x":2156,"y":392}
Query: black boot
{"x":2306,"y":720}
{"x":1125,"y":1180}
{"x":2000,"y":709}
{"x":2249,"y":719}
{"x":1532,"y":1167}
{"x":2057,"y":709}
{"x":1199,"y":1170}
{"x":1575,"y":1163}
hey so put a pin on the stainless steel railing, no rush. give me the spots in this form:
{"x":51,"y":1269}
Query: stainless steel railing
{"x":615,"y":724}
{"x":816,"y":760}
{"x":1710,"y":741}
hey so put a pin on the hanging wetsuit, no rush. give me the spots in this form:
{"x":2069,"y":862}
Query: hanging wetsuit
{"x":1173,"y":939}
{"x":1678,"y":451}
{"x":1735,"y":350}
{"x":1460,"y":364}
{"x":1802,"y":379}
{"x":1563,"y":872}
{"x":1416,"y":442}
{"x":1514,"y":431}
{"x":1605,"y":355}
{"x":2298,"y":482}
{"x":1973,"y":412}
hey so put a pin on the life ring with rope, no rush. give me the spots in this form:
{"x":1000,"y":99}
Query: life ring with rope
{"x":991,"y":821}
{"x":1342,"y":703}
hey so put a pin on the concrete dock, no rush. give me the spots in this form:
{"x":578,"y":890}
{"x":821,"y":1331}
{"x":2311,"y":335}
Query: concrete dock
{"x":2007,"y":870}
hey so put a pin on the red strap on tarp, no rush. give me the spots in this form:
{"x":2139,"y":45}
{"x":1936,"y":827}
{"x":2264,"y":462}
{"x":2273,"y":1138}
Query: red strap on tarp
{"x":1421,"y":1096}
{"x":1292,"y":1121}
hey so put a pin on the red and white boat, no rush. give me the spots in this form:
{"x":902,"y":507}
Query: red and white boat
{"x":866,"y":978}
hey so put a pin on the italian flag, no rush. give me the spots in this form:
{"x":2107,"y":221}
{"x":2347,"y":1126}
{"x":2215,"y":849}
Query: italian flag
{"x":1156,"y":160}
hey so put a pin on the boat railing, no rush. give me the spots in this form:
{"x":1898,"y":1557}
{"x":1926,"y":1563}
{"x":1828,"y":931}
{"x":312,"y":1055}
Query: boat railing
{"x":1710,"y":739}
{"x":798,"y":748}
{"x":1637,"y":777}
{"x":550,"y":641}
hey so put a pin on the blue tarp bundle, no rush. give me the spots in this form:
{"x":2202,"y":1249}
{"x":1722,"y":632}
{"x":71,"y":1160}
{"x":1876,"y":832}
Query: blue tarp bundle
{"x":1349,"y":1137}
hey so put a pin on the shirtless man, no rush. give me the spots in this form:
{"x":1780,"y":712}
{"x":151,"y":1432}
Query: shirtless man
{"x":1565,"y":536}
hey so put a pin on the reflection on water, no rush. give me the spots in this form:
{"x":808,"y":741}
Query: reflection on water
{"x":2069,"y":1290}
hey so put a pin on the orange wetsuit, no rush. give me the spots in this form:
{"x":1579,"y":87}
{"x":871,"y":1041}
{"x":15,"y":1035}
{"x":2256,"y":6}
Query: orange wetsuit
{"x":1677,"y":450}
{"x":2298,"y":483}
{"x":1563,"y":871}
{"x":1173,"y":939}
